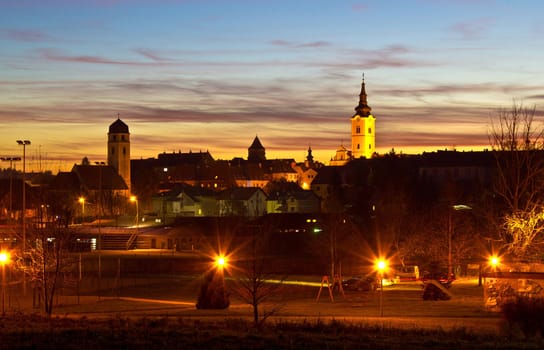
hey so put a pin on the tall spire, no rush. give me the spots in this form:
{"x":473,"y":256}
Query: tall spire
{"x":363,"y":109}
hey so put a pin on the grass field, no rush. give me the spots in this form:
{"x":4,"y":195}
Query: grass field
{"x":158,"y":312}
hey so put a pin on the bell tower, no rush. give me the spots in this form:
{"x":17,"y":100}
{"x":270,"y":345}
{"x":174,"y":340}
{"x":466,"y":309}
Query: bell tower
{"x":363,"y":128}
{"x":119,"y":149}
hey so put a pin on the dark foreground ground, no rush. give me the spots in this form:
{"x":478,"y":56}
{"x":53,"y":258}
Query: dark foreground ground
{"x":176,"y":332}
{"x":160,"y":313}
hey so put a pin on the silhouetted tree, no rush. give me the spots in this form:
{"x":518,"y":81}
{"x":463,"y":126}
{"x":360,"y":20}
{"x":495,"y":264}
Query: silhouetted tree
{"x":518,"y":145}
{"x":256,"y":283}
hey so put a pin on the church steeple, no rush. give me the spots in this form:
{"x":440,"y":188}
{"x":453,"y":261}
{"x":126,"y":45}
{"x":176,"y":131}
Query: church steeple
{"x":363,"y":109}
{"x":363,"y":128}
{"x":119,"y":149}
{"x":256,"y":152}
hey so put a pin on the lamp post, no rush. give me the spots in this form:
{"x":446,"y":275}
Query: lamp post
{"x":99,"y":245}
{"x":4,"y":260}
{"x":81,"y":201}
{"x":135,"y":200}
{"x":11,"y":160}
{"x":456,"y":207}
{"x":381,"y":266}
{"x":24,"y":143}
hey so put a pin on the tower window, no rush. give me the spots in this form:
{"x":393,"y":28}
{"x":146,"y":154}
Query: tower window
{"x":112,"y":150}
{"x":358,"y":146}
{"x":370,"y":130}
{"x":123,"y":137}
{"x":358,"y":130}
{"x":114,"y":137}
{"x":124,"y":151}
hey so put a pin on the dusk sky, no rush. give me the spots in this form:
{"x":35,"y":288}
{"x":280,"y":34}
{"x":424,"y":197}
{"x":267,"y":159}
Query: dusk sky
{"x":211,"y":74}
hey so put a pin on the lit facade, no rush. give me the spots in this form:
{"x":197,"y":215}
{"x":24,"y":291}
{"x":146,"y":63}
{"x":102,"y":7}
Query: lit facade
{"x":363,"y":128}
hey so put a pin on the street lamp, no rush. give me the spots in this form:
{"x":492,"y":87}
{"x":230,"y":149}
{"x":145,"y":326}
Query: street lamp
{"x":135,"y":200}
{"x":381,"y":266}
{"x":494,"y":262}
{"x":24,"y":143}
{"x":4,"y":260}
{"x":81,"y":201}
{"x":100,"y":208}
{"x":456,"y":207}
{"x":220,"y":262}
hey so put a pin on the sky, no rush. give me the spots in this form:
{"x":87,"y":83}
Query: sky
{"x":210,"y":75}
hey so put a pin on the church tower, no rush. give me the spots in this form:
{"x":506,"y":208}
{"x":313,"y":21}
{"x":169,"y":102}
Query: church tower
{"x":119,"y":149}
{"x":363,"y":128}
{"x":256,"y":153}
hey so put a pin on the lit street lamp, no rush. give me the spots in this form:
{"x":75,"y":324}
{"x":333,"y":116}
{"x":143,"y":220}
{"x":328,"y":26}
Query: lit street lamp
{"x":4,"y":260}
{"x":81,"y":201}
{"x":494,"y":262}
{"x":135,"y":200}
{"x":220,"y":262}
{"x":381,"y":266}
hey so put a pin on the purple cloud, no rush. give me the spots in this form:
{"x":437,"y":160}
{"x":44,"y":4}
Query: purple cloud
{"x":58,"y":55}
{"x":472,"y":29}
{"x":24,"y":35}
{"x":295,"y":45}
{"x":359,"y":7}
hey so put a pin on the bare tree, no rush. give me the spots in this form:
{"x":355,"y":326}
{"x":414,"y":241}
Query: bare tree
{"x":518,"y":145}
{"x":45,"y":261}
{"x":257,"y":284}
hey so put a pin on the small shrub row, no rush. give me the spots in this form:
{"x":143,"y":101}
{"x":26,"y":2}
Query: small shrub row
{"x":525,"y":314}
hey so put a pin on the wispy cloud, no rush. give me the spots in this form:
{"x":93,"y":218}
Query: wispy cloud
{"x":25,"y":35}
{"x":473,"y":29}
{"x":300,"y":45}
{"x":359,"y":7}
{"x":59,"y":55}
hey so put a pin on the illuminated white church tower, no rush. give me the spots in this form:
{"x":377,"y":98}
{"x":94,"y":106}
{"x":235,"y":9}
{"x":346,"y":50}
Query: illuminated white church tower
{"x":119,"y":149}
{"x":363,"y":128}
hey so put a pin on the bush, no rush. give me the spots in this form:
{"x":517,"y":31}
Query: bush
{"x":525,"y":314}
{"x":213,"y":294}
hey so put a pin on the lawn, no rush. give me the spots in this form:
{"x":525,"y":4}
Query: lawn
{"x":159,"y":312}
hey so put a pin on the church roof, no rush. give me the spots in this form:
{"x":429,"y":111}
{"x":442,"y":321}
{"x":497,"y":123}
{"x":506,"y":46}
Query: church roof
{"x":363,"y":109}
{"x":256,"y":144}
{"x":118,"y":127}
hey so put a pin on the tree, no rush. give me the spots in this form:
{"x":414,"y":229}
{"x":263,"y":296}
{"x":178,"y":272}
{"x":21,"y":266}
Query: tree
{"x":256,"y":283}
{"x":45,"y":262}
{"x":518,"y":145}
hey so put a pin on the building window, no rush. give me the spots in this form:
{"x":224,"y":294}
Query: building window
{"x":358,"y":129}
{"x":369,"y":146}
{"x":370,"y":130}
{"x":124,"y":151}
{"x":123,"y":137}
{"x":112,"y":150}
{"x":114,"y":137}
{"x":358,"y":146}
